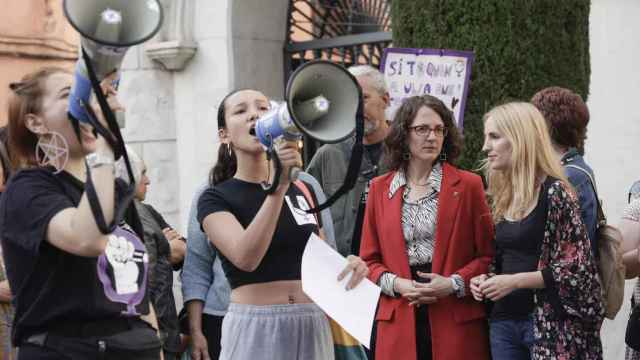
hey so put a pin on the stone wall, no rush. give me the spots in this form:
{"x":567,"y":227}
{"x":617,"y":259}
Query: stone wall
{"x":33,"y":34}
{"x":172,"y":101}
{"x":205,"y":49}
{"x":614,"y":130}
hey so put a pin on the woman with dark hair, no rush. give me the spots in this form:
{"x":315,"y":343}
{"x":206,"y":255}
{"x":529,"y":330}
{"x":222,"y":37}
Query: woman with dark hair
{"x":165,"y":249}
{"x":427,"y":232}
{"x":51,"y":244}
{"x":260,"y":238}
{"x":567,"y":117}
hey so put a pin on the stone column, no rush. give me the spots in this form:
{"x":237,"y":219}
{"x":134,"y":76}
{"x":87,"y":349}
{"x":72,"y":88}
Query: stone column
{"x":258,"y":36}
{"x":239,"y":45}
{"x":197,"y":91}
{"x":206,"y":49}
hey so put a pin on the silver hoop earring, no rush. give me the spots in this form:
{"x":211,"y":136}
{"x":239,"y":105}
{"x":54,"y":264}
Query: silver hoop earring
{"x":443,"y":157}
{"x":229,"y":149}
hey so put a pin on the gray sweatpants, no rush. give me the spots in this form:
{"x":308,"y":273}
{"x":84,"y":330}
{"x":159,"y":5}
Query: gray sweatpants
{"x":277,"y":332}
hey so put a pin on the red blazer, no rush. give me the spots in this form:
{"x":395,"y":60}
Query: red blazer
{"x":464,"y":245}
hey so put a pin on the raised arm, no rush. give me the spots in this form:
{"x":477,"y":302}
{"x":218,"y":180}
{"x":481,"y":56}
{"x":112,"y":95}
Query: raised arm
{"x":245,"y":248}
{"x":74,"y":229}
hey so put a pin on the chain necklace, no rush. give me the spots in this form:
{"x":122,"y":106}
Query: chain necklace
{"x":418,"y":184}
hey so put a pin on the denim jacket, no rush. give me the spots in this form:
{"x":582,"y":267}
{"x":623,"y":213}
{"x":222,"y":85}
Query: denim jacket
{"x":202,"y":275}
{"x":586,"y":194}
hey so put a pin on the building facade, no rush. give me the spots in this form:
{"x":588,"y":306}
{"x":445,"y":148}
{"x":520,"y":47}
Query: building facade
{"x":32,"y":34}
{"x":172,"y":86}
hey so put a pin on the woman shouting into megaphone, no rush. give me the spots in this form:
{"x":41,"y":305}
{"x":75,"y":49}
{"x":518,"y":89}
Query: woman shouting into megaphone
{"x":261,"y":238}
{"x":79,"y":293}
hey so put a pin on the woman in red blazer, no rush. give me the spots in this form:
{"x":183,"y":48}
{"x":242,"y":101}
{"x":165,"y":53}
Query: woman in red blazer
{"x":427,"y":232}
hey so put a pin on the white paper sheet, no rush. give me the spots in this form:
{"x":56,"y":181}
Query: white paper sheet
{"x":355,"y":309}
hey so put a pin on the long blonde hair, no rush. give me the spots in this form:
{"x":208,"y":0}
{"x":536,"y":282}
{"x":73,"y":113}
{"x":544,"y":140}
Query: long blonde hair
{"x":514,"y":190}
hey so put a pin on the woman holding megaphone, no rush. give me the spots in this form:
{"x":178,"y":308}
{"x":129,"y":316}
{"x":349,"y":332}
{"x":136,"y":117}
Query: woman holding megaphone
{"x":261,"y":238}
{"x":79,"y":294}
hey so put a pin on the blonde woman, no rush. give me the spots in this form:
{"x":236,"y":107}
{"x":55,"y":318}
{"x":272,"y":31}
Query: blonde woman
{"x":546,"y":294}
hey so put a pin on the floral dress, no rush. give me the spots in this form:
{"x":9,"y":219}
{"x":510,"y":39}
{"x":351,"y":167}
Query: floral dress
{"x":568,"y":312}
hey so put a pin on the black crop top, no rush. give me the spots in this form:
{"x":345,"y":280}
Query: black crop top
{"x":518,"y":245}
{"x":283,"y":258}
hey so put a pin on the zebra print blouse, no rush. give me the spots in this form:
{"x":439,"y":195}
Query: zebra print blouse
{"x":419,"y":217}
{"x":419,"y":226}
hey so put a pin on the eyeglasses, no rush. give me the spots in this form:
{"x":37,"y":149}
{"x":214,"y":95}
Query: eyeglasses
{"x":425,"y":130}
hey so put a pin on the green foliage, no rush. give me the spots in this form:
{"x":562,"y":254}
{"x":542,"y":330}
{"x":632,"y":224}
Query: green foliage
{"x":521,"y":46}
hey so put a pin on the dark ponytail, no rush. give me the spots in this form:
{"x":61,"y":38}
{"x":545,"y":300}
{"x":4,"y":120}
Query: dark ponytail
{"x":227,"y":164}
{"x":225,"y":167}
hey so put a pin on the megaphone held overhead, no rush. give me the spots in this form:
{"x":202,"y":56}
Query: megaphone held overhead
{"x":108,"y":28}
{"x":322,"y":100}
{"x":137,"y":20}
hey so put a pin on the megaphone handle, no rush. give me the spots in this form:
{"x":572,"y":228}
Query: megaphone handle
{"x":118,"y":147}
{"x":294,"y":172}
{"x":271,"y":188}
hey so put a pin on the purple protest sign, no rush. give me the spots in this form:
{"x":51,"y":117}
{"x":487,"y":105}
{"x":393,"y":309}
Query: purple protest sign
{"x":442,"y":73}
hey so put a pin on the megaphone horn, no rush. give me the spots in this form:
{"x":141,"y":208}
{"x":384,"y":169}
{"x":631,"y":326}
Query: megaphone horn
{"x":107,"y":28}
{"x":322,"y":100}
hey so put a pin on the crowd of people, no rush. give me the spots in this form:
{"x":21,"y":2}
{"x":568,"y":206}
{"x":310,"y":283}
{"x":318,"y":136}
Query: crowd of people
{"x":505,"y":268}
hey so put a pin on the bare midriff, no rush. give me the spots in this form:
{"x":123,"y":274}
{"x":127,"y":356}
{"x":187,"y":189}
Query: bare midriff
{"x":270,"y":293}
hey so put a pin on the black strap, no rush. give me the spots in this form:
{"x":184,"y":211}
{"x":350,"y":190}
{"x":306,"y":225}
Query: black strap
{"x":307,"y":194}
{"x":602,"y":219}
{"x":354,"y":163}
{"x":118,"y":148}
{"x":272,"y":155}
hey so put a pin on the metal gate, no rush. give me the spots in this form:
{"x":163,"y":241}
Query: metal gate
{"x":347,"y":32}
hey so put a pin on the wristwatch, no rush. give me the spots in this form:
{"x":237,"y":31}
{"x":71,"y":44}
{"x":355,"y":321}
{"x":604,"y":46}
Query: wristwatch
{"x":458,"y":285}
{"x":96,"y":160}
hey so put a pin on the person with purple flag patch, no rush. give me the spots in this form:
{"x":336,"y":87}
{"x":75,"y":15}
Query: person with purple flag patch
{"x":78,"y":293}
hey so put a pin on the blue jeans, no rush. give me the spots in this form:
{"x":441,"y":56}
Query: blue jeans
{"x":511,"y":339}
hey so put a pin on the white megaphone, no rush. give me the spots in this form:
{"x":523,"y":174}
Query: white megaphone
{"x":108,"y":28}
{"x":321,"y":102}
